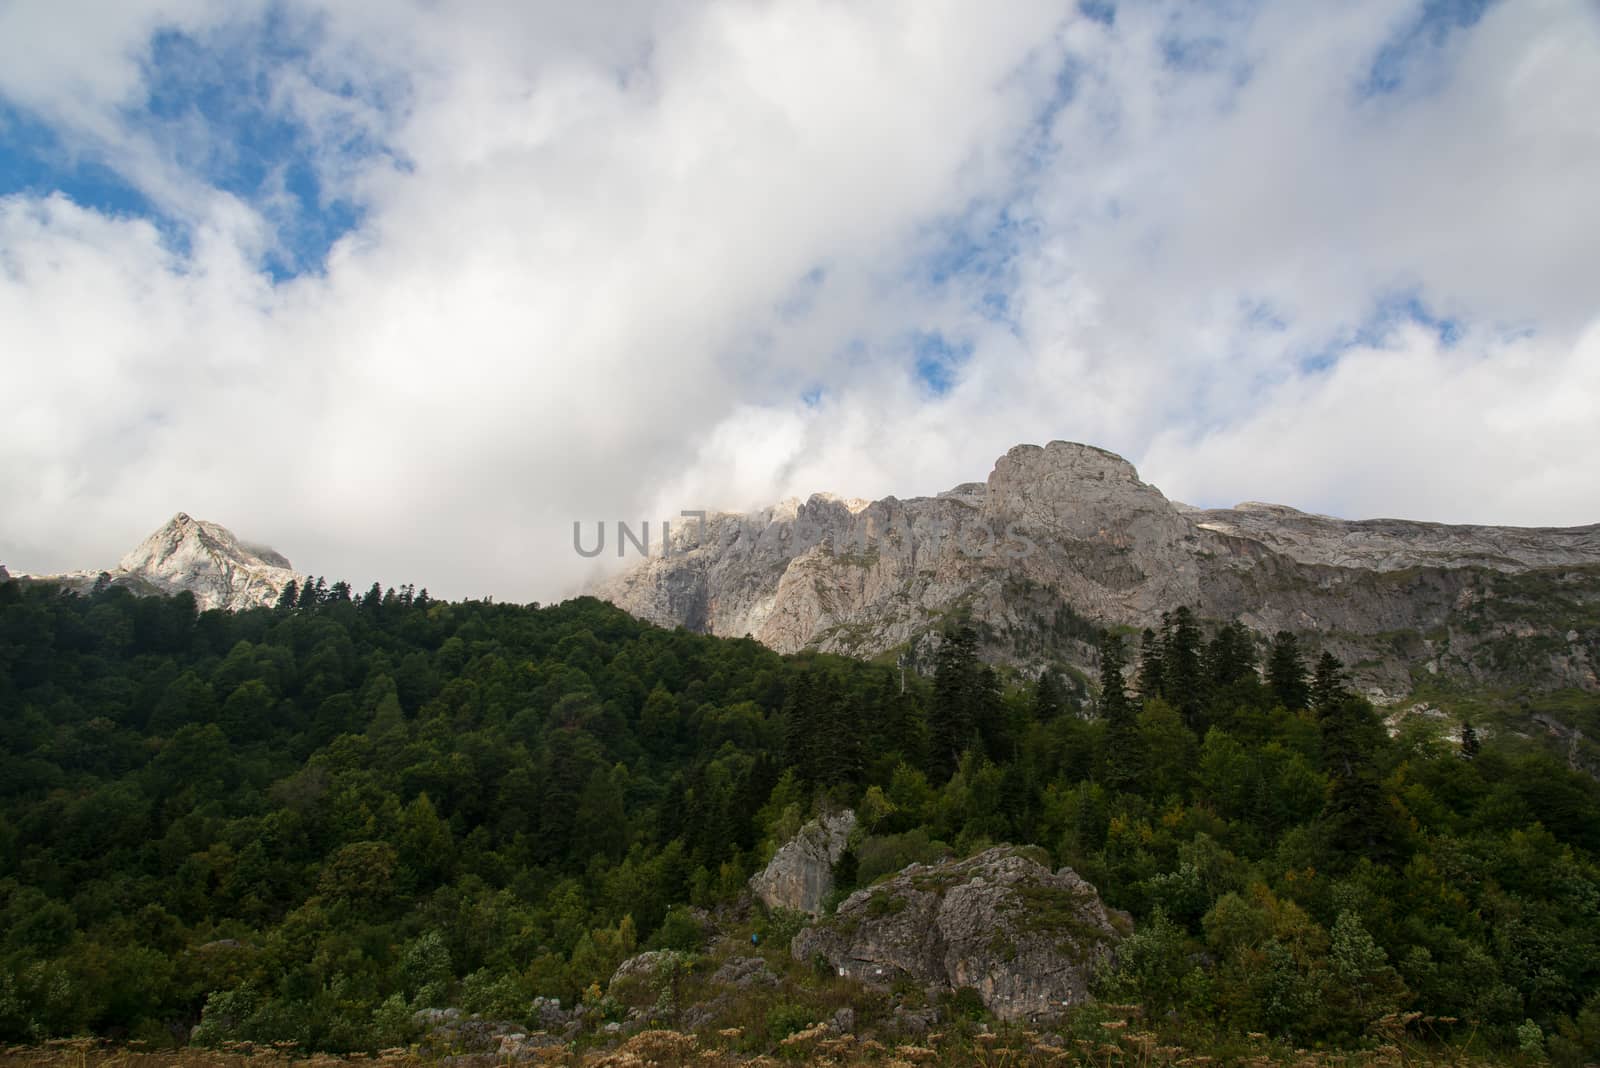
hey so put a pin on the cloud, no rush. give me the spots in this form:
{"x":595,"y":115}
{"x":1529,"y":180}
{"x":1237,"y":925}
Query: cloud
{"x":505,"y":267}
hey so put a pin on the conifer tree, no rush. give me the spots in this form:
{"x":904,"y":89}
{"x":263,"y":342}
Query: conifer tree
{"x":1182,"y":676}
{"x":288,"y":596}
{"x":901,"y":723}
{"x":1048,"y":699}
{"x":1122,"y":761}
{"x":952,"y":719}
{"x":1356,"y":814}
{"x":1471,"y":744}
{"x":1286,"y":672}
{"x":801,"y":725}
{"x":1231,"y":655}
{"x":987,"y":705}
{"x":837,"y":751}
{"x":1328,"y":685}
{"x":1151,"y":683}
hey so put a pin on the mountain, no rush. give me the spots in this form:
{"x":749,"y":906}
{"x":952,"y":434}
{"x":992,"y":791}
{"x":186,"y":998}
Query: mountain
{"x":1066,"y":538}
{"x":206,"y":559}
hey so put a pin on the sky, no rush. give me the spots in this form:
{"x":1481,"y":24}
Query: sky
{"x":404,"y":289}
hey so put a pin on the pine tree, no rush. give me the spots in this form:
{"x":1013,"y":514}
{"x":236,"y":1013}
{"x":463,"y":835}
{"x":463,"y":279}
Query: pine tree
{"x":1182,"y":675}
{"x":288,"y":596}
{"x":308,"y":595}
{"x":838,"y":749}
{"x":990,"y":723}
{"x":1151,"y":682}
{"x":801,"y":725}
{"x":1286,"y":672}
{"x":1122,"y":759}
{"x":1356,"y":815}
{"x":952,"y":718}
{"x":1048,"y":699}
{"x":900,"y":725}
{"x":1231,"y":656}
{"x":1471,"y":744}
{"x":1328,"y":685}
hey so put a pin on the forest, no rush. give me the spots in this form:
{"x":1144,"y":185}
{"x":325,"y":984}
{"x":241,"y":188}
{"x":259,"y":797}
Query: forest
{"x":304,"y":823}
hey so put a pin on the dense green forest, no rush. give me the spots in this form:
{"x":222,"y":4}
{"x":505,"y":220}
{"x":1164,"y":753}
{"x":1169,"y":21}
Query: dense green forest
{"x":320,"y":817}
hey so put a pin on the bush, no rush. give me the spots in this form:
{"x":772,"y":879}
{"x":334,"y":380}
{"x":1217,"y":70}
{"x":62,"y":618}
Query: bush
{"x":886,"y":854}
{"x":679,"y":931}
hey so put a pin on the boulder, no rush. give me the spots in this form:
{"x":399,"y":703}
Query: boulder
{"x":645,"y":967}
{"x":549,"y":1013}
{"x":742,"y":973}
{"x":1027,"y":939}
{"x":800,"y":875}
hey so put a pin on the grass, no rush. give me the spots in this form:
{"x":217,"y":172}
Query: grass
{"x":1111,"y":1036}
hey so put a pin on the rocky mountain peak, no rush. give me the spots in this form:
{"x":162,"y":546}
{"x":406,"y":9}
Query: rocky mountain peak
{"x":1077,"y":490}
{"x":208,"y":560}
{"x":1068,"y":530}
{"x":201,"y":557}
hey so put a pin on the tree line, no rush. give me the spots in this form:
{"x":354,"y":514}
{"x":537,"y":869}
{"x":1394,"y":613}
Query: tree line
{"x":302,"y":823}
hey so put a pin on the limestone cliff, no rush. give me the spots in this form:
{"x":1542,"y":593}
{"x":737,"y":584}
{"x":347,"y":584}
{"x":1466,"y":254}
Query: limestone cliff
{"x":1069,"y":531}
{"x":800,"y":875}
{"x":205,"y":559}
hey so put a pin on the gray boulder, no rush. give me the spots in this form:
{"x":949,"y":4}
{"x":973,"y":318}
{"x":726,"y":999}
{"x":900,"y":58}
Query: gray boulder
{"x":800,"y":875}
{"x":646,"y":967}
{"x":742,"y":973}
{"x":1027,"y":939}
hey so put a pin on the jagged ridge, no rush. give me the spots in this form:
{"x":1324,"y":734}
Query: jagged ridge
{"x":1071,"y":525}
{"x":204,"y":558}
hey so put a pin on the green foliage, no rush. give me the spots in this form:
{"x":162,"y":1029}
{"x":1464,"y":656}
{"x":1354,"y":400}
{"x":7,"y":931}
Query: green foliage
{"x":1123,"y":757}
{"x":883,"y":855}
{"x":306,"y":822}
{"x":1286,"y":672}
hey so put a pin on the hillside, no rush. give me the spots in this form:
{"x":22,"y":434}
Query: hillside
{"x":332,"y":824}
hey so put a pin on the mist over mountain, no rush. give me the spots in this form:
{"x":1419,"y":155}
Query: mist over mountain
{"x":194,"y":556}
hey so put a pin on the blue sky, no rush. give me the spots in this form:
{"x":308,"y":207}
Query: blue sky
{"x":1340,"y":257}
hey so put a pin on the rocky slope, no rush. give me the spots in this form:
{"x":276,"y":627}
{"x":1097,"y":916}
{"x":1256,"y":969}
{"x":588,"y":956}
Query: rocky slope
{"x":1069,"y":532}
{"x":800,"y":875}
{"x":1027,"y":939}
{"x":191,"y":554}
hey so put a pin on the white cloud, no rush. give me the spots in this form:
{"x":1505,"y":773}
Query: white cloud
{"x":607,"y":250}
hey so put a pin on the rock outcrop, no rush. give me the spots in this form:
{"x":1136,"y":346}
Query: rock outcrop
{"x":1069,"y":532}
{"x":192,"y":555}
{"x":800,"y":875}
{"x":646,"y":967}
{"x":1027,"y":939}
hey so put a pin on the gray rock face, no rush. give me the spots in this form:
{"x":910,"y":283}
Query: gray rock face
{"x":1072,"y":527}
{"x":203,"y":558}
{"x":646,"y":966}
{"x":1026,"y":938}
{"x":742,"y":973}
{"x":800,"y":875}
